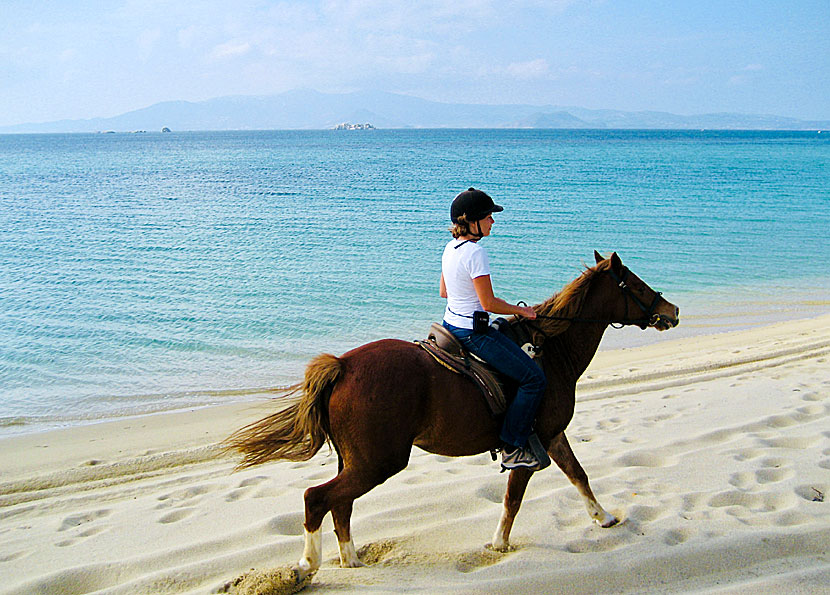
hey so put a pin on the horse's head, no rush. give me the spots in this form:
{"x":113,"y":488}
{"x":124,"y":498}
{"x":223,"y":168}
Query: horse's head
{"x":638,"y":303}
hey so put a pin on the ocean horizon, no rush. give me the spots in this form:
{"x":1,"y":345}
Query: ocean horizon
{"x":151,"y":272}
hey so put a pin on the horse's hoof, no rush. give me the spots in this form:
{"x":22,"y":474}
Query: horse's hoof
{"x":610,"y":522}
{"x":502,"y":549}
{"x":302,"y":576}
{"x":352,"y":564}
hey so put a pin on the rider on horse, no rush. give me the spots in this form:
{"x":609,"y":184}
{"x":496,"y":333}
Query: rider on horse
{"x":465,"y":282}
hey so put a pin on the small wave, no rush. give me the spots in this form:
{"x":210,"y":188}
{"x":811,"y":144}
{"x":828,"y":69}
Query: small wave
{"x":14,"y":421}
{"x":197,"y":393}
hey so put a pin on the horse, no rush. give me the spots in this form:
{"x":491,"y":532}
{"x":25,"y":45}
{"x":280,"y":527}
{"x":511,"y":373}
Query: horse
{"x":378,"y":400}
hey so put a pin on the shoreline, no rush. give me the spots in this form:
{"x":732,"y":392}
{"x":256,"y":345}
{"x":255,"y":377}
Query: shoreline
{"x":721,"y":317}
{"x":186,"y":427}
{"x":712,"y":449}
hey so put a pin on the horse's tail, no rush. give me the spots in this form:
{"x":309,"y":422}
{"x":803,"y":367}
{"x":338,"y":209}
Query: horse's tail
{"x":297,"y":432}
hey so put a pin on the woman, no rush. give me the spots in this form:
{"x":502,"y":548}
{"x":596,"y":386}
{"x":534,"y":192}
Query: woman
{"x":465,"y":282}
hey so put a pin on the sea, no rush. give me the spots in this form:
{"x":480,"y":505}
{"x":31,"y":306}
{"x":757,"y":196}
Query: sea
{"x":148,"y":272}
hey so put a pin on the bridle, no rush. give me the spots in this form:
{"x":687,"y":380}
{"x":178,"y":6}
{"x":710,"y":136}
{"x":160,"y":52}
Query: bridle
{"x":650,"y":317}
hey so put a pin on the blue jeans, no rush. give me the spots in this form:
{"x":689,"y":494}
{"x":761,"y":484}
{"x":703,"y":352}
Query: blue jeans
{"x":509,"y":359}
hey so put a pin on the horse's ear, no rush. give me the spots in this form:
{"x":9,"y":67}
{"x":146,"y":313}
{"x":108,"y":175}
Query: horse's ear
{"x":598,"y":257}
{"x":616,"y":263}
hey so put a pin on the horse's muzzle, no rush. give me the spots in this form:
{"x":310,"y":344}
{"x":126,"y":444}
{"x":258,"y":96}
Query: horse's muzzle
{"x":663,"y":323}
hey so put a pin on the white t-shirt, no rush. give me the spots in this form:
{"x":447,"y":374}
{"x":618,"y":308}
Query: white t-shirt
{"x":462,"y":262}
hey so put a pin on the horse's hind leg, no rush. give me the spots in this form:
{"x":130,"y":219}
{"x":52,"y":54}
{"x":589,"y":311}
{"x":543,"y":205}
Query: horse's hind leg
{"x":338,"y":496}
{"x":560,"y":451}
{"x":516,"y":485}
{"x":342,"y":516}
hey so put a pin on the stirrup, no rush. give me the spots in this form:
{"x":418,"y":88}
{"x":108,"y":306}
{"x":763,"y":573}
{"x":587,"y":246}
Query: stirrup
{"x":538,"y":450}
{"x":535,"y":449}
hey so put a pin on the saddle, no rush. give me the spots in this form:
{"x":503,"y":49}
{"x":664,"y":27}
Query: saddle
{"x":497,"y":391}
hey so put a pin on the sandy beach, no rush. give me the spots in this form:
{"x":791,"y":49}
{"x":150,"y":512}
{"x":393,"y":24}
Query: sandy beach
{"x":714,"y":450}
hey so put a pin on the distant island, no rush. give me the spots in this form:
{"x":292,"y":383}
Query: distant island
{"x":312,"y":110}
{"x":350,"y":126}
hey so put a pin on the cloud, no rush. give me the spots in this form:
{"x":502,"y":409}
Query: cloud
{"x":532,"y":69}
{"x":147,"y":40}
{"x":746,"y":75}
{"x":68,"y":55}
{"x":230,"y":49}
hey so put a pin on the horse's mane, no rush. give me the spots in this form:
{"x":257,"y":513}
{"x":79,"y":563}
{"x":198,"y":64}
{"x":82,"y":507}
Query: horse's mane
{"x":568,"y":302}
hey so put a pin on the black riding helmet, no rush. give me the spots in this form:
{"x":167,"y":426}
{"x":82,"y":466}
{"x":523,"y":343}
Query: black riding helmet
{"x":474,"y":204}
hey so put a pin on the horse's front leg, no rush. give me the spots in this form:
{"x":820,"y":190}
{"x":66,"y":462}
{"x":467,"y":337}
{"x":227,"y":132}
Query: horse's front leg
{"x":560,"y":451}
{"x":516,"y":485}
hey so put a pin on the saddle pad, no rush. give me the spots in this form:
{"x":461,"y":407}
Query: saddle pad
{"x":475,"y":370}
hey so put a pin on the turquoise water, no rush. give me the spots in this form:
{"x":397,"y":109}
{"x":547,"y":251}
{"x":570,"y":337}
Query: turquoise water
{"x":144,"y":272}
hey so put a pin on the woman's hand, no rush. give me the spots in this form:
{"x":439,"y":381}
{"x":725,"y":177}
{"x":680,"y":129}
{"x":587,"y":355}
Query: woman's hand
{"x":527,"y":312}
{"x":484,"y":290}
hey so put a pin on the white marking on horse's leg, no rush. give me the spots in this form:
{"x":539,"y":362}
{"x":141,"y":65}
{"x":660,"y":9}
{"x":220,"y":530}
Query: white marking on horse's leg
{"x":312,"y":553}
{"x":501,"y":538}
{"x":599,"y":514}
{"x":348,"y":555}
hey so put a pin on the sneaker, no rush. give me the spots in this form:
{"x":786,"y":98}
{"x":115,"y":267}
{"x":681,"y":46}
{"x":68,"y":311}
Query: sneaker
{"x":520,"y":457}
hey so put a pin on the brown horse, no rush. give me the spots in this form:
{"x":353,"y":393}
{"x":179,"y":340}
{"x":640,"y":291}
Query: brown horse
{"x":376,"y":401}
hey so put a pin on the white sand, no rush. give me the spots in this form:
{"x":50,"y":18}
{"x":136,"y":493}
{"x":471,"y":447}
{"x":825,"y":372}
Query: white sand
{"x":715,"y":450}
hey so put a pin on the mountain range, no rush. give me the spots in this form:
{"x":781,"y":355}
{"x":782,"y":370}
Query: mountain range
{"x":308,"y":109}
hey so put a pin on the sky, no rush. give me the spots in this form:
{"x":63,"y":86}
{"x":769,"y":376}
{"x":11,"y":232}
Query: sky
{"x":75,"y":59}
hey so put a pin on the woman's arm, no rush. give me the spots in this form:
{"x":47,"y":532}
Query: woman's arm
{"x":443,"y":289}
{"x":484,"y":290}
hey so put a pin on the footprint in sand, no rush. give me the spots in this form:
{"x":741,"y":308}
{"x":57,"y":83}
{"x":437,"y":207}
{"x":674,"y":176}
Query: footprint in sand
{"x":813,"y":492}
{"x":247,"y":488}
{"x":564,"y":521}
{"x":604,"y":543}
{"x":312,"y":479}
{"x":471,"y":561}
{"x":774,"y":462}
{"x":742,"y":479}
{"x":760,"y":502}
{"x":79,"y":520}
{"x":644,"y":513}
{"x":15,"y":556}
{"x":176,"y":516}
{"x":763,"y":476}
{"x":184,"y":497}
{"x":441,"y":459}
{"x":482,"y":459}
{"x":494,"y":492}
{"x":691,"y":502}
{"x":644,"y":458}
{"x":814,"y":410}
{"x":795,"y":442}
{"x":748,"y":454}
{"x":609,"y":425}
{"x":286,"y":524}
{"x":791,"y":518}
{"x":780,"y":421}
{"x":677,"y":536}
{"x":81,"y":536}
{"x":76,"y":520}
